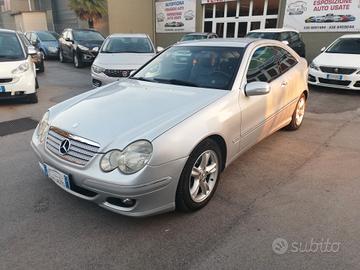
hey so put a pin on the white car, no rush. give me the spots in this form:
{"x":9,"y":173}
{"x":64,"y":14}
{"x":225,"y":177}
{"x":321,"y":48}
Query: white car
{"x":119,"y":56}
{"x":17,"y":70}
{"x":338,"y":65}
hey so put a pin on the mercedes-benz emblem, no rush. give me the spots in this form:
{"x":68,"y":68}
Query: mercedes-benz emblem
{"x":336,"y":70}
{"x":64,"y":147}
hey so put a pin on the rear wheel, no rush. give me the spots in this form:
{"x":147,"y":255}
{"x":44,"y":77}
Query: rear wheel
{"x":77,"y":61}
{"x":61,"y":57}
{"x":298,"y":115}
{"x":200,"y":177}
{"x":41,"y":67}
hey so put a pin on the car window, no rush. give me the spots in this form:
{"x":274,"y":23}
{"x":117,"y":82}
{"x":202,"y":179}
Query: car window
{"x":285,"y":59}
{"x":10,"y":47}
{"x":285,"y":36}
{"x":263,"y":35}
{"x":33,"y":38}
{"x":345,"y":46}
{"x":196,"y":66}
{"x":294,"y":36}
{"x":44,"y":36}
{"x":263,"y":65}
{"x":24,"y":40}
{"x":27,"y":35}
{"x":127,"y":45}
{"x":87,"y":35}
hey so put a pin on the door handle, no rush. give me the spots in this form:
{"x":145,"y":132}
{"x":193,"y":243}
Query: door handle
{"x":283,"y":84}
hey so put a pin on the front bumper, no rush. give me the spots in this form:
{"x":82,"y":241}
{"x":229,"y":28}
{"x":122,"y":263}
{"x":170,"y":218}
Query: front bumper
{"x":100,"y":79}
{"x":153,"y":188}
{"x":20,"y":85}
{"x":87,"y":56}
{"x":319,"y":78}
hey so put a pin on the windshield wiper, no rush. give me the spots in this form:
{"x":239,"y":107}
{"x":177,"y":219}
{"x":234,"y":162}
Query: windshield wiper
{"x":176,"y":82}
{"x":142,"y":79}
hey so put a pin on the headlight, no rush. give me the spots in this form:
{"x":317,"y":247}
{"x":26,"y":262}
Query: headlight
{"x":97,"y":69}
{"x":131,"y":160}
{"x":313,"y":66}
{"x":43,"y":127}
{"x":21,"y":69}
{"x":83,"y":48}
{"x":53,"y":49}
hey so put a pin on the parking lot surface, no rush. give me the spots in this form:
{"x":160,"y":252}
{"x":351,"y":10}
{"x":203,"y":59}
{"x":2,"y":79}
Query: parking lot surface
{"x":302,"y":187}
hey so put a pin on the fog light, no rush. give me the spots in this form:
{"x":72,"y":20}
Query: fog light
{"x":122,"y":202}
{"x":128,"y":202}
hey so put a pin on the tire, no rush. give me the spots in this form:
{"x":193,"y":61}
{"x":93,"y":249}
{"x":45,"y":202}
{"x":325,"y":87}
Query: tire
{"x":36,"y":83}
{"x":41,"y":67}
{"x":61,"y":57}
{"x":189,"y":194}
{"x":77,"y":61}
{"x":32,"y":98}
{"x":43,"y":55}
{"x":298,"y":115}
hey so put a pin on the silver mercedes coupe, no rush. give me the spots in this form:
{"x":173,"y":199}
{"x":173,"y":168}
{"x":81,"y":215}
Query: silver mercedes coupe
{"x":159,"y":140}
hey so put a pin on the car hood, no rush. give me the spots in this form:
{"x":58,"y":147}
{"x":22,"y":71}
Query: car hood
{"x":122,"y":60}
{"x":338,"y":60}
{"x":91,"y":43}
{"x":7,"y":67}
{"x":50,"y":43}
{"x":129,"y":110}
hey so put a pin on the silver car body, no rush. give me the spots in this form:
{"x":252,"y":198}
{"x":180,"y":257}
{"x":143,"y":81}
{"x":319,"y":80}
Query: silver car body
{"x":120,"y":61}
{"x":175,"y":119}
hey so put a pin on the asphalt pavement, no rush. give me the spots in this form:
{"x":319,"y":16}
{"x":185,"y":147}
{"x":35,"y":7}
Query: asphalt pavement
{"x":291,"y":202}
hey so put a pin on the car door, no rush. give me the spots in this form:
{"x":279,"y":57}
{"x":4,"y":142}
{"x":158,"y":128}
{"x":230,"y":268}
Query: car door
{"x":262,"y":115}
{"x":67,"y":45}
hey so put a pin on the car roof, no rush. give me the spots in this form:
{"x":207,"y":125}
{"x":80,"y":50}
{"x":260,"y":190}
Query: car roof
{"x":7,"y":31}
{"x":351,"y":36}
{"x":129,"y":35}
{"x":274,"y":30}
{"x":199,"y":34}
{"x":81,"y":29}
{"x":221,"y":42}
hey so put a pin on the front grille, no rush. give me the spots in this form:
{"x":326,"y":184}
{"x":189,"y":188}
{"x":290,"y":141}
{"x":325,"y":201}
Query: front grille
{"x":6,"y":80}
{"x":80,"y":152}
{"x":311,"y":78}
{"x":335,"y":82}
{"x":336,"y":70}
{"x":117,"y":73}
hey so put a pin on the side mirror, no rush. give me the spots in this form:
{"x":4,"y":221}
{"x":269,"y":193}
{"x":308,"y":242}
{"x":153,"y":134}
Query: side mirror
{"x":159,"y":49}
{"x":323,"y":49}
{"x":96,"y":49}
{"x":257,"y":89}
{"x":31,"y":50}
{"x":285,"y":42}
{"x":69,"y":40}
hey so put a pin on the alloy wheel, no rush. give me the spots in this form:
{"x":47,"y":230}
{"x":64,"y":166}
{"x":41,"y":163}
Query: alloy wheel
{"x":300,"y":111}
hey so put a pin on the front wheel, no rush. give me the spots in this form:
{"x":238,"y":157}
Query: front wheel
{"x":61,"y":57}
{"x":77,"y":61}
{"x":200,"y":177}
{"x":298,"y":115}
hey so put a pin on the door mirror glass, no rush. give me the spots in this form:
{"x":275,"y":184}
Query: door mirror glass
{"x":323,"y":49}
{"x":159,"y":49}
{"x":31,"y":50}
{"x":257,"y":88}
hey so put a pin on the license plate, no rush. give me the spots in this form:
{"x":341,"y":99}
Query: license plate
{"x":335,"y":77}
{"x":2,"y":89}
{"x":57,"y":176}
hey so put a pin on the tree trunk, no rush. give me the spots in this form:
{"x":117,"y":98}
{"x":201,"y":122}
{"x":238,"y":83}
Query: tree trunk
{"x":91,"y":23}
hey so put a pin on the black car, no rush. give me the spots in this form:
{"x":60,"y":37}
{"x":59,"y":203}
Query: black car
{"x":79,"y":46}
{"x":290,"y":37}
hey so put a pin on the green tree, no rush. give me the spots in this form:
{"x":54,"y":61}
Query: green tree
{"x":89,"y":10}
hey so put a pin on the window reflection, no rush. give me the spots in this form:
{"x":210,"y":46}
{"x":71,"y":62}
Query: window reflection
{"x":220,"y":9}
{"x":231,"y":8}
{"x":258,"y":7}
{"x":244,"y":8}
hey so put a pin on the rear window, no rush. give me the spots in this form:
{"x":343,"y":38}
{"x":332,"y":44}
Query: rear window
{"x":10,"y":48}
{"x":264,"y":35}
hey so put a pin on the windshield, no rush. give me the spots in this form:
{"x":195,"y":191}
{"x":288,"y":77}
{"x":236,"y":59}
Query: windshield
{"x":196,"y":66}
{"x":345,"y":45}
{"x":10,"y":47}
{"x":44,"y":36}
{"x":264,"y":35}
{"x":56,"y":35}
{"x":87,"y":35}
{"x":193,"y":37}
{"x":127,"y":45}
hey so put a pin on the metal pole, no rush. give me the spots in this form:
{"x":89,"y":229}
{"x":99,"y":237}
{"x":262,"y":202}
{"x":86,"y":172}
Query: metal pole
{"x":29,"y":1}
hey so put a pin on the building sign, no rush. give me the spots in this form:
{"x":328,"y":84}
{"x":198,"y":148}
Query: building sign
{"x":175,"y":16}
{"x":323,"y":15}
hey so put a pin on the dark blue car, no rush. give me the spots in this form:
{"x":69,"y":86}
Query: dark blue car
{"x":45,"y":42}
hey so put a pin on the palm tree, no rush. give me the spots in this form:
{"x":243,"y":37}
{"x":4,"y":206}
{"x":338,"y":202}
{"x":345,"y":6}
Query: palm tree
{"x":89,"y":10}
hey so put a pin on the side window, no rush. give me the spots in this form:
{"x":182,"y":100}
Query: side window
{"x":33,"y":38}
{"x":70,"y":35}
{"x":294,"y":37}
{"x":263,"y":66}
{"x":285,"y":36}
{"x":24,"y":40}
{"x":64,"y":34}
{"x":285,"y":60}
{"x":27,"y":35}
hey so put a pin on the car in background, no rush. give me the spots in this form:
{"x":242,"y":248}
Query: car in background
{"x":17,"y":70}
{"x":289,"y":37}
{"x":297,"y":8}
{"x":55,"y":34}
{"x":338,"y":65}
{"x":119,"y":56}
{"x":45,"y":42}
{"x":160,"y":139}
{"x":189,"y":15}
{"x":347,"y":18}
{"x":198,"y":36}
{"x":37,"y":58}
{"x":174,"y":24}
{"x":79,"y":46}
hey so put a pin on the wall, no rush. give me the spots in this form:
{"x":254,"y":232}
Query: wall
{"x":31,"y":21}
{"x":64,"y":17}
{"x":131,"y":16}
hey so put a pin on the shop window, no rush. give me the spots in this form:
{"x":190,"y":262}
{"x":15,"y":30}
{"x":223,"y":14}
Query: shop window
{"x":231,"y":9}
{"x":220,"y":10}
{"x":244,"y":8}
{"x":258,"y":7}
{"x":209,"y":11}
{"x":255,"y":25}
{"x":273,"y":7}
{"x":220,"y":29}
{"x":242,"y":29}
{"x":230,"y":31}
{"x":270,"y":23}
{"x":208,"y":27}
